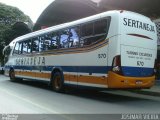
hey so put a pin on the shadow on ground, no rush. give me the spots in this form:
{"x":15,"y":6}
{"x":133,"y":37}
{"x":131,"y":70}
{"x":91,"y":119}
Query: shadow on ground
{"x":87,"y":93}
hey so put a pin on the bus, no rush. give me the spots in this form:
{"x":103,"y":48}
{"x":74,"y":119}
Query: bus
{"x":115,"y":49}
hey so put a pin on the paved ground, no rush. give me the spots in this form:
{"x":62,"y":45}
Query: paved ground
{"x":154,"y":91}
{"x":34,"y":97}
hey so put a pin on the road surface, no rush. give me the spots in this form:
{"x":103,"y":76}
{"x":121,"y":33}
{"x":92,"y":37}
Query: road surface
{"x":35,"y":97}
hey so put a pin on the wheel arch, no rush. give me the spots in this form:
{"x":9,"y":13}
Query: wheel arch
{"x":56,"y":69}
{"x":11,"y":69}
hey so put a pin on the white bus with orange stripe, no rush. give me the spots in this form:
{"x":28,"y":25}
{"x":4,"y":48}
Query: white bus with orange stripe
{"x":114,"y":49}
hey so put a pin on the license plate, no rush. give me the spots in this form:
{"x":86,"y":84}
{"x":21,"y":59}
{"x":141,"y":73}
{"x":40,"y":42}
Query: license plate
{"x":139,"y":82}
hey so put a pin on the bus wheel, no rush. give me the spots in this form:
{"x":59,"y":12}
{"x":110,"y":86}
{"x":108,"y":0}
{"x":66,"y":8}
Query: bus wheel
{"x":12,"y":75}
{"x":13,"y":78}
{"x":57,"y":82}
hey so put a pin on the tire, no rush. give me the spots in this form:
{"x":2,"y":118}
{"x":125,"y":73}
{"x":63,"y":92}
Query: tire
{"x":12,"y":76}
{"x":57,"y":82}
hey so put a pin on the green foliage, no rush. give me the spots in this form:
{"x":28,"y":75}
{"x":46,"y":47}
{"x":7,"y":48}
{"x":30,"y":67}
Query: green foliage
{"x":12,"y":12}
{"x":9,"y":29}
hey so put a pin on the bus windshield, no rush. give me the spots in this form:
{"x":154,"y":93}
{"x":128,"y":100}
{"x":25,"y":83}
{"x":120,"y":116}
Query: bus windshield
{"x":6,"y":53}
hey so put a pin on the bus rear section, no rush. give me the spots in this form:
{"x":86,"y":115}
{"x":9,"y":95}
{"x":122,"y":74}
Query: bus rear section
{"x":133,"y":67}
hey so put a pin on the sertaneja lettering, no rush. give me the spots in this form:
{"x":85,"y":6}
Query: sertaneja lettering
{"x":39,"y":60}
{"x":138,"y":24}
{"x":30,"y":61}
{"x":35,"y":60}
{"x":43,"y":61}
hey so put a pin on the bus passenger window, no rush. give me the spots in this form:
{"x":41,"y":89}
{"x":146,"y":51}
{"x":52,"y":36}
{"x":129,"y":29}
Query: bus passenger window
{"x":20,"y":48}
{"x":29,"y":46}
{"x":16,"y":48}
{"x":74,"y":37}
{"x":100,"y":26}
{"x":54,"y":41}
{"x":25,"y":45}
{"x":64,"y":38}
{"x":86,"y":34}
{"x":41,"y":44}
{"x":35,"y":45}
{"x":47,"y":42}
{"x":87,"y":29}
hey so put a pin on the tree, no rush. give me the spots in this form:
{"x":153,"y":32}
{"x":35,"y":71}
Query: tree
{"x":12,"y":25}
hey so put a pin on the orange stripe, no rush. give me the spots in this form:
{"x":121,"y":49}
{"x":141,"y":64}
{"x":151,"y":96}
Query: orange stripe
{"x":93,"y":80}
{"x":67,"y":77}
{"x":34,"y":74}
{"x":87,"y":79}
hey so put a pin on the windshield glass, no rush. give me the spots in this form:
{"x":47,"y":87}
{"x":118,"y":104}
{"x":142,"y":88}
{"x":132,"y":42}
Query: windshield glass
{"x":6,"y":53}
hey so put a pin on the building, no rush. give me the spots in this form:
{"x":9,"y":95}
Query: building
{"x":61,"y":11}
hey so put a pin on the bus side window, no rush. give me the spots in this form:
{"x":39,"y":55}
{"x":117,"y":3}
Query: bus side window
{"x":100,"y":26}
{"x":25,"y":45}
{"x":16,"y":48}
{"x":47,"y":42}
{"x":35,"y":45}
{"x":54,"y":41}
{"x":29,"y":46}
{"x":20,"y":48}
{"x":41,"y":44}
{"x":100,"y":30}
{"x":64,"y":38}
{"x":86,"y":34}
{"x":74,"y":37}
{"x":87,"y":29}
